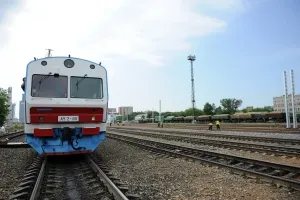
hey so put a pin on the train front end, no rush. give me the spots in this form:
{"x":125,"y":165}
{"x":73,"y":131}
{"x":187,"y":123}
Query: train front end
{"x":66,"y":105}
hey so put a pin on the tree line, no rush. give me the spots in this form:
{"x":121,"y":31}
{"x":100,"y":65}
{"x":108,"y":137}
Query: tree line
{"x":227,"y":106}
{"x":4,"y":106}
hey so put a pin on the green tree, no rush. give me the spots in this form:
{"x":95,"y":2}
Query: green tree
{"x":230,"y":106}
{"x":218,"y":110}
{"x":208,"y":109}
{"x":189,"y":112}
{"x":166,"y":114}
{"x":4,"y":106}
{"x":244,"y":110}
{"x":176,"y":114}
{"x":258,"y":109}
{"x":264,"y":109}
{"x":214,"y":108}
{"x":131,"y":116}
{"x":149,"y":114}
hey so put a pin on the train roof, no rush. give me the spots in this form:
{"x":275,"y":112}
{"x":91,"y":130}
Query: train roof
{"x":67,"y":57}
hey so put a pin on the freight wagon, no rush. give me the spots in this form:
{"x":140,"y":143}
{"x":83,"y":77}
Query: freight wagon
{"x":250,"y":117}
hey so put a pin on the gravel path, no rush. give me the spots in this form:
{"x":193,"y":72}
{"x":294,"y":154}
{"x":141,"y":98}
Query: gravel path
{"x":163,"y":178}
{"x":259,"y":134}
{"x":13,"y":165}
{"x":259,"y":156}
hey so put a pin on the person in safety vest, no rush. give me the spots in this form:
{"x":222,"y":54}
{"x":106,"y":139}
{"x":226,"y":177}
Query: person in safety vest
{"x":218,"y":125}
{"x":210,"y":125}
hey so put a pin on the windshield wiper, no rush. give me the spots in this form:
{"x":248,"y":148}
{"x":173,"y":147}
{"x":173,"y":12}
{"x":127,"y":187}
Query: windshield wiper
{"x":42,"y":79}
{"x":80,"y":80}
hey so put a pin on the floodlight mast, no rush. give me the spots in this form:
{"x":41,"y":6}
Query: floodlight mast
{"x":192,"y":58}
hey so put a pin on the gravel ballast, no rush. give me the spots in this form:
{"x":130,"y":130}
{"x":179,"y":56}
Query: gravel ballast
{"x":162,"y":178}
{"x":14,"y":163}
{"x":259,"y":156}
{"x":257,"y":134}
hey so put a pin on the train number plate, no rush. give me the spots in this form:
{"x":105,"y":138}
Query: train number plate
{"x":68,"y":118}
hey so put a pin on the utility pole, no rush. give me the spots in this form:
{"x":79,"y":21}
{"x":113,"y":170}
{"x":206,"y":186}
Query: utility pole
{"x":159,"y":110}
{"x":293,"y":100}
{"x":152,"y":116}
{"x":287,"y":113}
{"x":192,"y":59}
{"x":49,"y":52}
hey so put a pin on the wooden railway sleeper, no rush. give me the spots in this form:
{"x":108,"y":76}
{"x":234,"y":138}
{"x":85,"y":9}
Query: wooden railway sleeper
{"x":291,"y":175}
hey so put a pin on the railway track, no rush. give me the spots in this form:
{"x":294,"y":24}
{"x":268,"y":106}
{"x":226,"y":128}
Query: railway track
{"x":252,"y":147}
{"x":228,"y":127}
{"x":216,"y":135}
{"x":6,"y":141}
{"x":284,"y":175}
{"x":10,"y":136}
{"x":70,"y":177}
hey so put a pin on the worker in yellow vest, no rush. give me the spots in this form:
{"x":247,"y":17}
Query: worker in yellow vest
{"x":210,"y":125}
{"x":218,"y":125}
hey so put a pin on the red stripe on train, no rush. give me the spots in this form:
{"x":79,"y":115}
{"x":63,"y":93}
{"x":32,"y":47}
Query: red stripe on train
{"x":50,"y":114}
{"x":43,"y":132}
{"x":68,"y":110}
{"x":37,"y":132}
{"x":90,"y":131}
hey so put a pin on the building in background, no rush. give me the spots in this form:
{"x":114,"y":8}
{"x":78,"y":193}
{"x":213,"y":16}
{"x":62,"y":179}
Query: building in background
{"x":22,"y":109}
{"x":112,"y":110}
{"x":278,"y":103}
{"x":125,"y":111}
{"x":9,"y":117}
{"x":13,"y":111}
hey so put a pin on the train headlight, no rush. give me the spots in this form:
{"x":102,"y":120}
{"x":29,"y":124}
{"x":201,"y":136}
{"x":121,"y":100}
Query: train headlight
{"x":92,"y":66}
{"x":93,"y":118}
{"x":69,"y":63}
{"x":44,"y":63}
{"x":41,"y":119}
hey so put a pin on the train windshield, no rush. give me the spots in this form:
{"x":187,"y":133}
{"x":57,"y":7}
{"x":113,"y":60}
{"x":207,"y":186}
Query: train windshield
{"x":86,"y":87}
{"x":49,"y":86}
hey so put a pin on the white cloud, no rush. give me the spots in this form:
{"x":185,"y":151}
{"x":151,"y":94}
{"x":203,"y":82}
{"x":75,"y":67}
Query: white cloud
{"x":226,"y":4}
{"x":120,"y":33}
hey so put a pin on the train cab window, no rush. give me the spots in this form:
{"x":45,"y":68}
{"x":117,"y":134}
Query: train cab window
{"x":86,"y":87}
{"x":49,"y":86}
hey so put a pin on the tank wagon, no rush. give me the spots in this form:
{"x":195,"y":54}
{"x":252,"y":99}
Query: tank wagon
{"x":66,"y":102}
{"x":250,"y":117}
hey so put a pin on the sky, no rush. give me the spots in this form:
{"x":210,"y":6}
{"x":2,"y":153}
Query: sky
{"x":242,"y":47}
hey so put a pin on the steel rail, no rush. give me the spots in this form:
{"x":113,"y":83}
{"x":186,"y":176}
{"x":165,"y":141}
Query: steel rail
{"x":282,"y":174}
{"x":278,"y":150}
{"x":114,"y":190}
{"x":38,"y":184}
{"x":227,"y":136}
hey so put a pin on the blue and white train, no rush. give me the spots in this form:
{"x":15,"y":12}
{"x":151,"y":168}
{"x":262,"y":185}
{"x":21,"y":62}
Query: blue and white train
{"x":66,"y":102}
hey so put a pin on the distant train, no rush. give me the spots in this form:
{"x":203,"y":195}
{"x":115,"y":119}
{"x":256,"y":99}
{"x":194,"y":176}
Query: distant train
{"x":66,"y":103}
{"x":250,"y":117}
